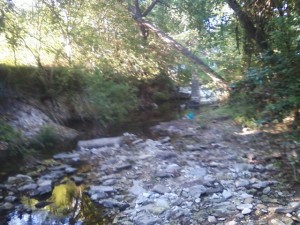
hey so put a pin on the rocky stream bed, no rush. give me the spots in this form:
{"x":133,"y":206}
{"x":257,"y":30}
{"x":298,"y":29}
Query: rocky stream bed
{"x":207,"y":171}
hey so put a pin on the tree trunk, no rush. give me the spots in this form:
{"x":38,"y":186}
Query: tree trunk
{"x":138,"y":16}
{"x":169,"y":40}
{"x":252,"y":32}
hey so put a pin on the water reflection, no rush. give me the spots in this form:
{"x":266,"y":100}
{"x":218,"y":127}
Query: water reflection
{"x":68,"y":205}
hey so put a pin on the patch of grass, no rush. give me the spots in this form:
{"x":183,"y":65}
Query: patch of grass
{"x":13,"y":141}
{"x":47,"y":138}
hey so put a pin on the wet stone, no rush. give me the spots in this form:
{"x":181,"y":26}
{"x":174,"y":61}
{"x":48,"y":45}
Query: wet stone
{"x":28,"y":187}
{"x":70,"y":170}
{"x":42,"y":190}
{"x":19,"y":179}
{"x":6,"y":206}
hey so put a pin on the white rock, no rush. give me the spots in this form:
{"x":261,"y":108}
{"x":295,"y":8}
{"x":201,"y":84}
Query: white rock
{"x":244,"y":206}
{"x":245,"y":195}
{"x":212,"y":219}
{"x":227,"y":194}
{"x":246,"y":211}
{"x":231,"y":223}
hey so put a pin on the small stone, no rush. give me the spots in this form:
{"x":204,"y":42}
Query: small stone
{"x":28,"y":187}
{"x":165,"y":140}
{"x":123,"y":166}
{"x":212,"y":219}
{"x":138,"y":141}
{"x":197,"y":200}
{"x":157,"y":210}
{"x":160,"y":189}
{"x":164,"y":155}
{"x":70,"y":170}
{"x":248,"y":200}
{"x":242,"y":183}
{"x":173,"y":169}
{"x":42,"y":182}
{"x":146,"y":195}
{"x":111,"y":203}
{"x":44,"y":189}
{"x":231,"y":223}
{"x":197,"y":190}
{"x":6,"y":206}
{"x":244,"y":206}
{"x":215,"y":196}
{"x":246,"y":211}
{"x":19,"y":179}
{"x":10,"y":198}
{"x":145,"y":219}
{"x":104,"y":189}
{"x":227,"y":194}
{"x":198,"y":172}
{"x":245,"y":195}
{"x":162,"y":174}
{"x":261,"y":184}
{"x":162,"y":203}
{"x":266,"y":190}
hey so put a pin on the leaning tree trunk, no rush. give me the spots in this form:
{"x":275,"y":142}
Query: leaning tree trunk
{"x":169,"y":40}
{"x":139,"y":16}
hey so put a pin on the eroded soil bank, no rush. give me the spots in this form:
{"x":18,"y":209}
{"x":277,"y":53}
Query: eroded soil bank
{"x":202,"y":171}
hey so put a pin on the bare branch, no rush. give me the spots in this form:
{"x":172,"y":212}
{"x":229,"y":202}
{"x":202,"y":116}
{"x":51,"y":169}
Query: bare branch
{"x":138,"y":12}
{"x":150,"y":7}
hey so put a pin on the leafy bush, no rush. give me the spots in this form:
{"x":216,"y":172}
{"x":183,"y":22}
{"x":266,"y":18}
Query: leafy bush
{"x":109,"y":100}
{"x":47,"y":138}
{"x":12,"y":139}
{"x":160,"y":96}
{"x":270,"y":91}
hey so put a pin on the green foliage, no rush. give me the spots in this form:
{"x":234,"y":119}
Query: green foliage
{"x":160,"y":97}
{"x":110,"y":100}
{"x":47,"y":138}
{"x":271,"y":91}
{"x":13,"y":140}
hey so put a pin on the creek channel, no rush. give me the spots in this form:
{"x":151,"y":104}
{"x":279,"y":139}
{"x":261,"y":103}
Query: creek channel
{"x":67,"y":204}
